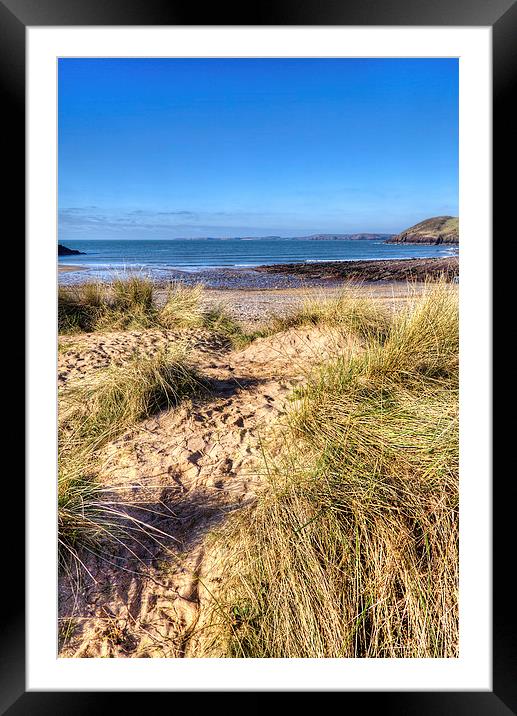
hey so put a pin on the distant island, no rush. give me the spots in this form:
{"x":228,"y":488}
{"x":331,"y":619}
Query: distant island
{"x":437,"y":230}
{"x":65,"y":251}
{"x":346,"y":237}
{"x":311,"y":237}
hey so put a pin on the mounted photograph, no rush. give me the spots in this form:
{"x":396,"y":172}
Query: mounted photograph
{"x":258,"y":357}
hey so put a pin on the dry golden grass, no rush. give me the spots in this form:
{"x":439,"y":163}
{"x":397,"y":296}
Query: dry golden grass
{"x":96,"y":410}
{"x":99,"y":408}
{"x":129,"y":304}
{"x":182,"y":306}
{"x":348,"y":311}
{"x":351,"y":550}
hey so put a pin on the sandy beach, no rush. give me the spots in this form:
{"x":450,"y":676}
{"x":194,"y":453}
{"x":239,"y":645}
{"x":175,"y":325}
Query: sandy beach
{"x":62,"y":268}
{"x":252,"y":296}
{"x":254,"y":307}
{"x":183,"y":471}
{"x":257,"y":361}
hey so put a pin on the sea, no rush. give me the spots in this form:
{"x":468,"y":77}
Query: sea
{"x":201,"y":258}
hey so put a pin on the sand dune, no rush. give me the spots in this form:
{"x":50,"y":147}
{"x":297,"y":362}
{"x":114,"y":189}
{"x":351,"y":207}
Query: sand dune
{"x":181,"y":473}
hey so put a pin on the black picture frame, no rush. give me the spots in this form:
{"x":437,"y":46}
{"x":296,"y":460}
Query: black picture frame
{"x":501,"y":15}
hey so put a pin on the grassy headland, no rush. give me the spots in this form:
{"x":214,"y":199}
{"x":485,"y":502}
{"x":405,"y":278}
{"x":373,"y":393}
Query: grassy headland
{"x":437,"y":230}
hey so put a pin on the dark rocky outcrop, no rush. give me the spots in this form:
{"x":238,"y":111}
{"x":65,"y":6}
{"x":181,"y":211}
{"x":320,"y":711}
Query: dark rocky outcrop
{"x":65,"y":251}
{"x":389,"y":270}
{"x":438,"y":230}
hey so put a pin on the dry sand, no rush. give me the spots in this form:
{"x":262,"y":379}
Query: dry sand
{"x":191,"y":466}
{"x":256,"y":306}
{"x":182,"y":473}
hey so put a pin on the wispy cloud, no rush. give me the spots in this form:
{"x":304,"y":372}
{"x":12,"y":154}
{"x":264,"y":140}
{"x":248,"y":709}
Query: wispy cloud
{"x":92,"y":222}
{"x":173,"y":223}
{"x":176,"y":213}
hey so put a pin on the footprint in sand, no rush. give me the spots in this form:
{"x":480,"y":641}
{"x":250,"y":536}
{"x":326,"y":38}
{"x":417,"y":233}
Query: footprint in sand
{"x":194,"y":465}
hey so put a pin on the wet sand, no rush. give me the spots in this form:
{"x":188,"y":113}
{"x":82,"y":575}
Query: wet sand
{"x":66,"y":269}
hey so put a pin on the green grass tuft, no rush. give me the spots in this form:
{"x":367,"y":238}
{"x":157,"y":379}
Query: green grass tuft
{"x":79,"y":307}
{"x":182,"y":307}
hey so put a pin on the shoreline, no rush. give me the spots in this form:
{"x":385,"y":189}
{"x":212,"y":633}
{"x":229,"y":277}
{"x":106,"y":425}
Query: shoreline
{"x":67,"y":268}
{"x":284,"y":276}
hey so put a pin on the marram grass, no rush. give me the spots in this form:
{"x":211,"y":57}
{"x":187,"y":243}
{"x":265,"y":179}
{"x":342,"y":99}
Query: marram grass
{"x":362,"y":316}
{"x":129,"y":304}
{"x":351,"y":549}
{"x":96,"y":410}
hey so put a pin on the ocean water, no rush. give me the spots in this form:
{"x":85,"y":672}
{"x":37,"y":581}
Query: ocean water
{"x":159,"y":258}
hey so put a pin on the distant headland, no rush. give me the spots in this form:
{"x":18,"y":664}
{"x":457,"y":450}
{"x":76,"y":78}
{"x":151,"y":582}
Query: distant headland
{"x":437,"y":230}
{"x":65,"y":251}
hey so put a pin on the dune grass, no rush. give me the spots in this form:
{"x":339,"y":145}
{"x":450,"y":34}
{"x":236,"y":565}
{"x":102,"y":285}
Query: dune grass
{"x":98,"y":409}
{"x":79,"y":307}
{"x":182,"y":306}
{"x":129,"y":304}
{"x":351,"y":550}
{"x":124,"y":303}
{"x":133,"y":292}
{"x":83,"y":521}
{"x":119,"y":305}
{"x":347,"y":311}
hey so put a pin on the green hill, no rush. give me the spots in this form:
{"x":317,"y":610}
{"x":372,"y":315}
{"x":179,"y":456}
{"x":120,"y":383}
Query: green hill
{"x":438,"y":230}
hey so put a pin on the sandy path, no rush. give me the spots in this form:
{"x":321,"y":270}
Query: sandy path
{"x":191,"y":467}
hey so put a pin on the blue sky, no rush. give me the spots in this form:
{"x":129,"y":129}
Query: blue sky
{"x":165,"y":148}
